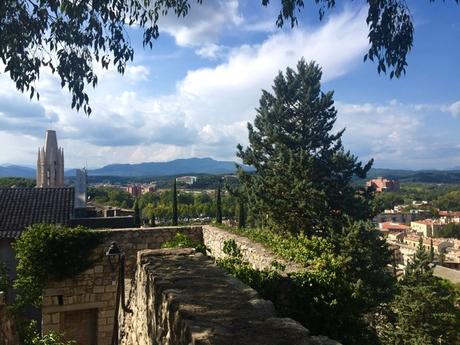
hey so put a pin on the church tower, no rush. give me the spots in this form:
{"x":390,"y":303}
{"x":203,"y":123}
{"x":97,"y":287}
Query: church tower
{"x":50,"y":163}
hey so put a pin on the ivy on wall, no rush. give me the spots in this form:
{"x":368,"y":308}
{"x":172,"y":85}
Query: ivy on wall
{"x":50,"y":253}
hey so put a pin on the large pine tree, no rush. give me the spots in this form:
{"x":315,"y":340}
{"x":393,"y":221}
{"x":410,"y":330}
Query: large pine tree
{"x":303,"y":173}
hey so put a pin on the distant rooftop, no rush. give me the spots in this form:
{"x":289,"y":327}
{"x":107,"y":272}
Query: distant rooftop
{"x":21,"y":207}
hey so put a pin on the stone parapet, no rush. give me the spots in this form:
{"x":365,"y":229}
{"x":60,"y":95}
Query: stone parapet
{"x":256,"y":254}
{"x":181,"y":297}
{"x":83,"y":307}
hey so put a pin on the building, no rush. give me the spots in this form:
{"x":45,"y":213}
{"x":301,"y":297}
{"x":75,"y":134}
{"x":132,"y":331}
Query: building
{"x":394,"y":227}
{"x":439,"y":244}
{"x":383,"y":185}
{"x":186,"y":179}
{"x":401,"y":217}
{"x":50,"y":163}
{"x":81,"y":182}
{"x":427,"y":227}
{"x":449,"y":216}
{"x":21,"y":207}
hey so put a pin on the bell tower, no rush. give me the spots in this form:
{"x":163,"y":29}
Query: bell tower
{"x":50,"y":163}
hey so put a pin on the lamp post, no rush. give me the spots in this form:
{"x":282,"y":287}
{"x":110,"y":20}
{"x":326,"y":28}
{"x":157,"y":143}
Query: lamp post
{"x":114,"y":253}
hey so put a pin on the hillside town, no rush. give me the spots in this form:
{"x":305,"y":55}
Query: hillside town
{"x":229,"y":172}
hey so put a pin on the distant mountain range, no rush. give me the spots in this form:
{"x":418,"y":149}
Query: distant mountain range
{"x":16,"y":171}
{"x":152,"y":169}
{"x":214,"y":167}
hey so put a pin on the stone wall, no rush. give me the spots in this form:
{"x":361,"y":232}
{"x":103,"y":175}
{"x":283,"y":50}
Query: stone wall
{"x":180,"y":297}
{"x":8,"y":334}
{"x":69,"y":304}
{"x":256,"y":254}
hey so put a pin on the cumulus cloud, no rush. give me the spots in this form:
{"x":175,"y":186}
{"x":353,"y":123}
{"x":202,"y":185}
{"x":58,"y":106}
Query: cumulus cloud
{"x":398,"y":135}
{"x":206,"y":115}
{"x":453,"y":109}
{"x":203,"y":24}
{"x":208,"y":112}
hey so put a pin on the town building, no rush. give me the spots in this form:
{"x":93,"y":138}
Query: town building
{"x":394,"y":227}
{"x":186,"y":179}
{"x":449,"y":216}
{"x":137,"y":190}
{"x":81,"y":182}
{"x":401,"y":217}
{"x":439,"y":244}
{"x":427,"y":227}
{"x":134,"y":190}
{"x":383,"y":185}
{"x":50,"y":163}
{"x":22,"y":207}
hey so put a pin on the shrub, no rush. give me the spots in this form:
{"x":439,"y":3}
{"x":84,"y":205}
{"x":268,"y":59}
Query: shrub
{"x":181,"y":240}
{"x":49,"y":252}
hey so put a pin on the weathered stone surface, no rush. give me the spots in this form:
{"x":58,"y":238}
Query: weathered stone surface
{"x":93,"y":292}
{"x":8,"y":334}
{"x":180,"y":297}
{"x":256,"y":254}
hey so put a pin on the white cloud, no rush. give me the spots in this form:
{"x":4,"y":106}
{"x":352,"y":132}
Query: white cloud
{"x":208,"y":112}
{"x":210,"y":51}
{"x":453,"y":109}
{"x":398,"y":135}
{"x":203,"y":24}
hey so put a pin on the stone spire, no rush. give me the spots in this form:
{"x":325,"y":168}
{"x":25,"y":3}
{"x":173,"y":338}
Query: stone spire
{"x":50,"y":163}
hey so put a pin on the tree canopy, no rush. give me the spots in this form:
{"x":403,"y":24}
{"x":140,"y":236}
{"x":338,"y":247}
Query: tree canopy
{"x":70,"y":37}
{"x":303,"y":173}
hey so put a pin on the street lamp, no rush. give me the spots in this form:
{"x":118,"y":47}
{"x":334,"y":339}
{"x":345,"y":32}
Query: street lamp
{"x":114,"y":252}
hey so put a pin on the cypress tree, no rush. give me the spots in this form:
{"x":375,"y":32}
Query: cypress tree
{"x":218,"y":206}
{"x":241,"y":214}
{"x":174,"y":204}
{"x":137,"y":214}
{"x":303,"y":175}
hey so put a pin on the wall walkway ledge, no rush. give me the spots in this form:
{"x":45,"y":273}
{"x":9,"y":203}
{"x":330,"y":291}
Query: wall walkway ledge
{"x":181,"y":297}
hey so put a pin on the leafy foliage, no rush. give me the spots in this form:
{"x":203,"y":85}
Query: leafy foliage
{"x":181,"y":240}
{"x":449,"y":201}
{"x":4,"y":280}
{"x":192,"y":207}
{"x":67,"y":36}
{"x":49,"y":252}
{"x":391,"y":31}
{"x":110,"y":196}
{"x":303,"y":174}
{"x":7,"y":182}
{"x":339,"y":292}
{"x":425,"y":310}
{"x":451,"y":230}
{"x":32,"y":337}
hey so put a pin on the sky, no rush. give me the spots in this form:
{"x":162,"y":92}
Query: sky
{"x":193,"y":94}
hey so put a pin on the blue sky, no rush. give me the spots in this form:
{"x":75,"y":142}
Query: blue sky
{"x":194,"y":92}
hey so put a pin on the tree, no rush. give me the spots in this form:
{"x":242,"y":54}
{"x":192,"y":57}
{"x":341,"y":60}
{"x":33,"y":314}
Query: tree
{"x":424,"y":311}
{"x":137,"y":214}
{"x":241,"y":214}
{"x":174,"y":203}
{"x":68,"y":36}
{"x":303,"y":174}
{"x":218,"y":206}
